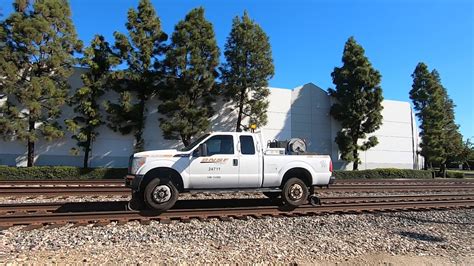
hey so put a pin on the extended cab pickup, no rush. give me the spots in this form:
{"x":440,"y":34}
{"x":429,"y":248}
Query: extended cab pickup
{"x":225,"y":161}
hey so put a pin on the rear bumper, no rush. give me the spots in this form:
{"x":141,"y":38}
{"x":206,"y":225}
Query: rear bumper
{"x":133,"y":181}
{"x":332,"y":179}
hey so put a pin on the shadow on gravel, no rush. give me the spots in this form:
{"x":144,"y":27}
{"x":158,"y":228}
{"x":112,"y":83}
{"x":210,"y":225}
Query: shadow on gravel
{"x":180,"y":205}
{"x":422,"y":237}
{"x":422,"y":220}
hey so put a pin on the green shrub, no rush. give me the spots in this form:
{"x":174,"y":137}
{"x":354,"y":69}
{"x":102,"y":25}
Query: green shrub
{"x":454,"y":174}
{"x":382,"y":173}
{"x":60,"y":172}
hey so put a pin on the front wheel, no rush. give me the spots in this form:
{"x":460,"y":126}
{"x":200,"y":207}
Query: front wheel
{"x":137,"y":202}
{"x":160,"y":194}
{"x":295,"y":192}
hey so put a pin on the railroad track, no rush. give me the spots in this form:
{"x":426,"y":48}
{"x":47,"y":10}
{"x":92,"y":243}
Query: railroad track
{"x":100,"y":213}
{"x":120,"y":182}
{"x":54,"y":188}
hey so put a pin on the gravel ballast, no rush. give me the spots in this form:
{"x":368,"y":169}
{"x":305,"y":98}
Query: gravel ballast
{"x":312,"y":239}
{"x":199,"y":196}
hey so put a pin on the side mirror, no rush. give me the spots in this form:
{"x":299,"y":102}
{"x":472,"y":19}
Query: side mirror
{"x":202,"y":149}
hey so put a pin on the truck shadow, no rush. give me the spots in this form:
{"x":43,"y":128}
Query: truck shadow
{"x":180,"y":205}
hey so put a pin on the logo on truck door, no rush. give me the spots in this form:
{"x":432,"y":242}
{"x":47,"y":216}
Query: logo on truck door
{"x":214,"y":160}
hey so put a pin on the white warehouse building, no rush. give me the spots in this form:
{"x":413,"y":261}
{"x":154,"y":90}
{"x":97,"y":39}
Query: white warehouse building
{"x":300,"y":112}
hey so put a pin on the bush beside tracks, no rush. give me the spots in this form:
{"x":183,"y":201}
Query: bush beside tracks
{"x":383,"y":173}
{"x":59,"y":172}
{"x":74,"y":173}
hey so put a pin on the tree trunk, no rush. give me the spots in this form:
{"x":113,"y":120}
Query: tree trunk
{"x":139,"y":144}
{"x":355,"y":154}
{"x":443,"y":170}
{"x":355,"y":164}
{"x":31,"y":153}
{"x":186,"y":140}
{"x":87,"y":150}
{"x":241,"y":110}
{"x":31,"y":145}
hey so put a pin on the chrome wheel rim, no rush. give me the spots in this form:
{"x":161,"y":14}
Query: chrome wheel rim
{"x":161,"y":193}
{"x":295,"y":192}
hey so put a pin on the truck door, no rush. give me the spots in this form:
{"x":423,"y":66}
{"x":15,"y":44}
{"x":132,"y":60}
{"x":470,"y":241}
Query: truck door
{"x":250,"y":175}
{"x":220,"y":169}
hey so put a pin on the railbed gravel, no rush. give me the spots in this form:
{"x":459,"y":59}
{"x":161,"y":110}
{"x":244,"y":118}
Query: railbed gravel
{"x":197,"y":196}
{"x":309,"y":239}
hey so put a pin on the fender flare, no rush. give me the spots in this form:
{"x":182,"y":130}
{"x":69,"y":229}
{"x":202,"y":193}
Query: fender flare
{"x":297,"y":165}
{"x":148,"y":170}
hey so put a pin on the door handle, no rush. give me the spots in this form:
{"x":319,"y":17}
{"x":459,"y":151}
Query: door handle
{"x":236,"y":162}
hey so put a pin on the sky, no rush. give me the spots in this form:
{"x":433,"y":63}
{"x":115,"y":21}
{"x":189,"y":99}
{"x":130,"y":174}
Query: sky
{"x":307,"y":37}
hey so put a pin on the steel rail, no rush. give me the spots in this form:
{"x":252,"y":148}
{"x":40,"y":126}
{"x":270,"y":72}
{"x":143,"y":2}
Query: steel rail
{"x":12,"y":208}
{"x":120,"y":182}
{"x":48,"y":183}
{"x":184,"y":215}
{"x":122,"y":191}
{"x":51,"y":188}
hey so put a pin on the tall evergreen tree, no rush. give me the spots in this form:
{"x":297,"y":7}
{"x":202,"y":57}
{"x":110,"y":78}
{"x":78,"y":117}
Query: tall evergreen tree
{"x":358,"y":104}
{"x":428,"y":102}
{"x":441,"y":141}
{"x":248,"y":67}
{"x":453,"y":142}
{"x":99,"y":60}
{"x":191,"y":64}
{"x":141,"y":50}
{"x":37,"y":58}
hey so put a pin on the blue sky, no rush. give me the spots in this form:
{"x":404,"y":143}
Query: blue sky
{"x":308,"y":37}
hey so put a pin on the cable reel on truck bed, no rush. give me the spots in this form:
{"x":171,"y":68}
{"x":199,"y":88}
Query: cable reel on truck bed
{"x":292,"y":146}
{"x":296,"y":145}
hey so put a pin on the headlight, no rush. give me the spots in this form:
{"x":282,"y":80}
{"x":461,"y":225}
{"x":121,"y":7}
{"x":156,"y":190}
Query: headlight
{"x":136,"y":164}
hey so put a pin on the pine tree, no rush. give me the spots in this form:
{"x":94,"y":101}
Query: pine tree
{"x":36,"y":60}
{"x":453,"y":143}
{"x":248,"y":67}
{"x":441,"y":141}
{"x":191,"y":64}
{"x":358,"y":104}
{"x":428,"y":101}
{"x":141,"y":50}
{"x":99,"y":60}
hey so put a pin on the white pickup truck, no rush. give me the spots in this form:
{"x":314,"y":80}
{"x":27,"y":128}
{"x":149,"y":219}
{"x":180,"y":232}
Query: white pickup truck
{"x":225,"y":161}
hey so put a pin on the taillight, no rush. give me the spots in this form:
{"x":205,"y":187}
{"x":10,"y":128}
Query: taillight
{"x":330,"y":165}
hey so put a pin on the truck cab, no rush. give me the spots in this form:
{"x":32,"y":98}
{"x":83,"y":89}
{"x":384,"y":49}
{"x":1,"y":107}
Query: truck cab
{"x":225,"y":161}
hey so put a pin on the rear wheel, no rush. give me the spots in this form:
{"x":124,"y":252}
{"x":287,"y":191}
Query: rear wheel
{"x":160,"y":194}
{"x":295,"y":192}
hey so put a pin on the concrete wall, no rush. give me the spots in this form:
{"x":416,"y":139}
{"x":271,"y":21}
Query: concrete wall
{"x":300,"y":112}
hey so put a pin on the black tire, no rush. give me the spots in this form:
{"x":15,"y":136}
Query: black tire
{"x":295,"y":192}
{"x":137,"y":202}
{"x":160,"y":194}
{"x":272,"y":195}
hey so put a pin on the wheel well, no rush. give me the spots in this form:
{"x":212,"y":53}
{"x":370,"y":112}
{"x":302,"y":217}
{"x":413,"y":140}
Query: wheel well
{"x":170,"y":173}
{"x":300,"y":173}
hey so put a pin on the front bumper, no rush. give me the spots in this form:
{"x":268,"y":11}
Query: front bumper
{"x":133,"y":181}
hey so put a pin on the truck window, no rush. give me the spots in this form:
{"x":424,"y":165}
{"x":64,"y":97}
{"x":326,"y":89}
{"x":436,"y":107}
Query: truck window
{"x":246,"y":145}
{"x":220,"y":144}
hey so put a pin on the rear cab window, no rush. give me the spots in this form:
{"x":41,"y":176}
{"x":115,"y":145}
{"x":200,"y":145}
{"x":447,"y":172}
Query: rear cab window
{"x":247,"y":145}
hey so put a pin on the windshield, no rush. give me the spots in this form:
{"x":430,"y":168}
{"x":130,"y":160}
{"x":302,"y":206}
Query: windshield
{"x":194,"y":143}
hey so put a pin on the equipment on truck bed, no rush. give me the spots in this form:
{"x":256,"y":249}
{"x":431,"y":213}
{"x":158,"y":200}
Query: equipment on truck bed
{"x":292,"y":146}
